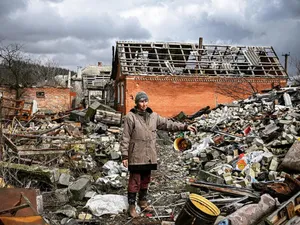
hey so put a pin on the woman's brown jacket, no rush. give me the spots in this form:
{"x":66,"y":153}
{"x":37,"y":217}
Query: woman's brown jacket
{"x":139,"y":137}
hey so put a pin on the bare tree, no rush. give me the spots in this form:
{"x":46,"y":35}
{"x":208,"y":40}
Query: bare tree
{"x":45,"y":71}
{"x":237,"y":90}
{"x":17,"y":72}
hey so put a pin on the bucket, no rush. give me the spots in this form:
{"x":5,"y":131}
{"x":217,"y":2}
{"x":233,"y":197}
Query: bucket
{"x":198,"y":211}
{"x":182,"y":144}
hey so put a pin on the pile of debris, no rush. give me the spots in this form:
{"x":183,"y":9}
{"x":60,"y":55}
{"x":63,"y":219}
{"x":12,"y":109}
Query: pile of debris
{"x":67,"y":160}
{"x":243,"y":159}
{"x":246,"y":149}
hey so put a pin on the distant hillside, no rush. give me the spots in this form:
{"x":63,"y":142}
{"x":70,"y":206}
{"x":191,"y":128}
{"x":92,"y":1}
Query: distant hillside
{"x":28,"y":74}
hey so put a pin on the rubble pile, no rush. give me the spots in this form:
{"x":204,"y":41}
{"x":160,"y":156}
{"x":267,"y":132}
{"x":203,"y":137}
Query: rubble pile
{"x":69,"y":161}
{"x":244,"y":142}
{"x":243,"y":159}
{"x":247,"y":148}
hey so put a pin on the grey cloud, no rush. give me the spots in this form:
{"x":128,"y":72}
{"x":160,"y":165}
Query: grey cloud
{"x":90,"y":57}
{"x":56,"y":1}
{"x":218,"y":29}
{"x":7,"y":7}
{"x":279,"y":9}
{"x":87,"y":39}
{"x":49,"y":25}
{"x":80,"y":41}
{"x":65,"y":46}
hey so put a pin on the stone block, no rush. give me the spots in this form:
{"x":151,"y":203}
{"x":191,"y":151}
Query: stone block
{"x":258,"y":142}
{"x":61,"y":196}
{"x":267,"y":157}
{"x":214,"y":154}
{"x":90,"y":194}
{"x":270,"y":128}
{"x":285,"y":121}
{"x":115,"y":155}
{"x":229,"y":158}
{"x":272,"y":175}
{"x":203,"y":155}
{"x":104,"y":139}
{"x":209,"y":177}
{"x":64,"y":179}
{"x":290,"y":138}
{"x":79,"y":187}
{"x":196,"y":159}
{"x":273,"y":165}
{"x":292,"y":129}
{"x":228,"y":179}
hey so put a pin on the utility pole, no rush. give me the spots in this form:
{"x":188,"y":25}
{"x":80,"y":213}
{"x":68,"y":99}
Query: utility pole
{"x":1,"y":132}
{"x":286,"y":56}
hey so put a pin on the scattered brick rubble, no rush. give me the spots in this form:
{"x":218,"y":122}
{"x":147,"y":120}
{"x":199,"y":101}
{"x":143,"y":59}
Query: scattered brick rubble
{"x":242,"y":150}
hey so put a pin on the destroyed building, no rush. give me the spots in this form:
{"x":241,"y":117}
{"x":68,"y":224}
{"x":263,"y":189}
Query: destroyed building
{"x":46,"y":98}
{"x":90,"y":83}
{"x":94,"y":78}
{"x":190,"y":76}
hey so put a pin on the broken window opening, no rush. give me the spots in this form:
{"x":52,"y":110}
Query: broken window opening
{"x":40,"y":94}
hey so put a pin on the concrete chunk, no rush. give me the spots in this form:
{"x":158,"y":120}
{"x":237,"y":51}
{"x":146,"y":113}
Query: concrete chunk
{"x":78,"y":188}
{"x":209,"y":177}
{"x":273,"y":165}
{"x":229,"y":158}
{"x":64,"y":179}
{"x":270,"y":129}
{"x":258,"y":142}
{"x":228,"y":178}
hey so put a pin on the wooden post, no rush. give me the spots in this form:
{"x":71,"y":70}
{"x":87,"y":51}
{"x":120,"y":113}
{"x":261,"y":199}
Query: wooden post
{"x":1,"y":132}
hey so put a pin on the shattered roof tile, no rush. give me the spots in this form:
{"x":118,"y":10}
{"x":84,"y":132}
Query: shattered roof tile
{"x":163,"y":58}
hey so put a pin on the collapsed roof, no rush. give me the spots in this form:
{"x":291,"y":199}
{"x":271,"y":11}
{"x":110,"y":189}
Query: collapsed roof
{"x":172,"y":58}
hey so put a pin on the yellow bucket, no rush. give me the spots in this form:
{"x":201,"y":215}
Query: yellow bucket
{"x":198,"y":211}
{"x":182,"y":144}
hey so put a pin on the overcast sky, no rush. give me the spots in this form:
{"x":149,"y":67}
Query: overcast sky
{"x":81,"y":32}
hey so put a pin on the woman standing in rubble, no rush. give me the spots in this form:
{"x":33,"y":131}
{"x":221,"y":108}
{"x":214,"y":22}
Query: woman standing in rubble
{"x":138,"y":148}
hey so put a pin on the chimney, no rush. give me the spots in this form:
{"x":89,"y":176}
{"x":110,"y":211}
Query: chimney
{"x":100,"y":64}
{"x":200,"y":42}
{"x":79,"y":72}
{"x":69,"y":79}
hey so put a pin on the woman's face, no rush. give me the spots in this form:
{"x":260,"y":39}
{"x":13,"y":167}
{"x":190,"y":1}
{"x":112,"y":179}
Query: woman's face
{"x":142,"y":105}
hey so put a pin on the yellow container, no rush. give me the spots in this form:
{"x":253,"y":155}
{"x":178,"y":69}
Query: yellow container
{"x":198,"y":211}
{"x":182,"y":144}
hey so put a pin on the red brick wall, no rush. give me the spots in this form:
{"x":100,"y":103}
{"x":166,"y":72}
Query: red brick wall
{"x":56,"y":99}
{"x":169,"y":95}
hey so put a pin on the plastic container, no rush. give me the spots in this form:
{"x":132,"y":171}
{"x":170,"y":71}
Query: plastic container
{"x":182,"y":144}
{"x":198,"y":211}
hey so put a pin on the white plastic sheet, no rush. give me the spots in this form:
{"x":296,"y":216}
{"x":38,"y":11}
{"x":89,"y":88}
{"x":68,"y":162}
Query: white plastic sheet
{"x":112,"y":167}
{"x":201,"y":147}
{"x":107,"y":204}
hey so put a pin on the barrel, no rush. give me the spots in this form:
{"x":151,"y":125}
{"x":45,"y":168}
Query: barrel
{"x":197,"y":211}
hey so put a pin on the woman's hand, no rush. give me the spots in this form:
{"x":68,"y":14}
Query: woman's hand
{"x":125,"y":163}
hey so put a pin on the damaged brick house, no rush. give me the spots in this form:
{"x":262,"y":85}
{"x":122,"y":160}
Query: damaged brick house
{"x":188,"y":76}
{"x":47,"y":99}
{"x":95,"y":77}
